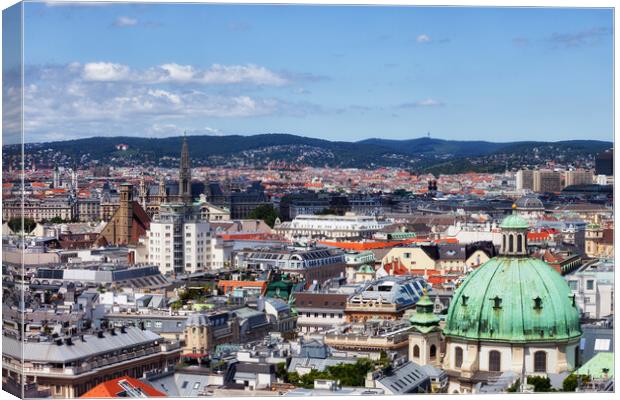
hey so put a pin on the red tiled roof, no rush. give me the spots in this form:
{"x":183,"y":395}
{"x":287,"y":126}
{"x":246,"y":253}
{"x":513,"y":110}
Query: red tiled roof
{"x":112,"y":388}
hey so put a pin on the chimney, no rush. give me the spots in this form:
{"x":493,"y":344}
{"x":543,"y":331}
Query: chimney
{"x":112,"y":331}
{"x":68,"y":341}
{"x":59,"y":342}
{"x":123,"y":330}
{"x":82,"y":338}
{"x":100,"y":334}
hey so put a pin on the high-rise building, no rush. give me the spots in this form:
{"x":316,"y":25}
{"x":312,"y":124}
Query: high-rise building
{"x":525,"y":179}
{"x":578,"y":177}
{"x":604,"y":163}
{"x":547,"y":181}
{"x":179,"y":240}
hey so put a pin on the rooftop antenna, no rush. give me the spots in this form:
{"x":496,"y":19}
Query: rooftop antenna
{"x":428,"y":134}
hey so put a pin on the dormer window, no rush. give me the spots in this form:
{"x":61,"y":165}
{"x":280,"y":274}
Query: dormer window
{"x":537,"y":303}
{"x":497,"y":302}
{"x":464,"y":298}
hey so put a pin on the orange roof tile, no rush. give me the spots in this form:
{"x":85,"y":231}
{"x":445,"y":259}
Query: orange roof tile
{"x":112,"y":388}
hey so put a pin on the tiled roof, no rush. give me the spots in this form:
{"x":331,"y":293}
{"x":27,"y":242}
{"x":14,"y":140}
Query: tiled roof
{"x":123,"y":387}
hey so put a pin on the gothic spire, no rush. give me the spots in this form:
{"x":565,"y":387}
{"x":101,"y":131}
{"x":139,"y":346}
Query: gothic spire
{"x":185,"y":173}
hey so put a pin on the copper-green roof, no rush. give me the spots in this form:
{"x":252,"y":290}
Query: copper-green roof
{"x":596,"y":365}
{"x":424,"y":319}
{"x":366,"y":269}
{"x":514,"y":221}
{"x":515,"y":299}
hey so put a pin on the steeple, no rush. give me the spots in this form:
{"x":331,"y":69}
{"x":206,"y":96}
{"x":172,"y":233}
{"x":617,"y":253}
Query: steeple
{"x":185,"y":174}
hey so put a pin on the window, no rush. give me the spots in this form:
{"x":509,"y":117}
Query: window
{"x":574,"y":285}
{"x":590,"y":284}
{"x":602,"y":344}
{"x":458,"y":357}
{"x":184,"y":385}
{"x":540,"y":361}
{"x":495,"y":360}
{"x":576,"y":356}
{"x":196,"y":385}
{"x":511,"y":243}
{"x":519,"y":242}
{"x":416,"y":351}
{"x":433,"y":352}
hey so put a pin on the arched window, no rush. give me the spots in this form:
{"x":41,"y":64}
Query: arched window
{"x":540,"y":361}
{"x":433,"y":352}
{"x":520,"y":243}
{"x":458,"y":357}
{"x":416,"y":351}
{"x":504,"y":242}
{"x":495,"y":360}
{"x":511,"y":240}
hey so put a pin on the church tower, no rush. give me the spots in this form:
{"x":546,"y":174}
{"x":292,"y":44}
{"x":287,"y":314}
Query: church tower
{"x":185,"y":175}
{"x":425,"y":338}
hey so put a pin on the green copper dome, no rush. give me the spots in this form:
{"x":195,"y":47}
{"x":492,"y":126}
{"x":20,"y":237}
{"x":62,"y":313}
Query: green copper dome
{"x":514,"y":221}
{"x":513,"y":299}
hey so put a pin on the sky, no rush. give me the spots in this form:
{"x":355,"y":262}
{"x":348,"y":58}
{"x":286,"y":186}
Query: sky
{"x":331,"y":72}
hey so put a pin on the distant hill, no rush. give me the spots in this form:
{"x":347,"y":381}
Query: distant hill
{"x":418,"y":155}
{"x":480,"y":148}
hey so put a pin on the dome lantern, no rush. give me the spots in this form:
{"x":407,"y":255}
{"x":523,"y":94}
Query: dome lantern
{"x":514,"y":235}
{"x":424,"y":320}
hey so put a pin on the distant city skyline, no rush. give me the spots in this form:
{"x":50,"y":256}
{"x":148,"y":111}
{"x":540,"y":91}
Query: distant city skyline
{"x":331,"y":72}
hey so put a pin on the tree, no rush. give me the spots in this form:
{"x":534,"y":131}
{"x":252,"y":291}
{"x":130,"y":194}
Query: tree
{"x":266,"y":212}
{"x":571,"y":382}
{"x":514,"y":387}
{"x":281,"y":372}
{"x":541,"y":384}
{"x":16,"y":224}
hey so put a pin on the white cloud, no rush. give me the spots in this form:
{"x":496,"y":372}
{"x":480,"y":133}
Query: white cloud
{"x":241,"y":73}
{"x":423,"y":38}
{"x":176,"y":72}
{"x":104,"y":98}
{"x":104,"y":71}
{"x":216,"y":74}
{"x":173,"y":98}
{"x":124,"y":21}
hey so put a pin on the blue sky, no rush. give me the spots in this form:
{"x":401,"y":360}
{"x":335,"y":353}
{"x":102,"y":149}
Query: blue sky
{"x":339,"y":73}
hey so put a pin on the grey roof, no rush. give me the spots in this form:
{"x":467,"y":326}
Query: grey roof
{"x":407,"y":378}
{"x":529,"y":203}
{"x":400,"y":290}
{"x":50,"y":352}
{"x":452,"y":252}
{"x":589,"y":338}
{"x":189,"y":385}
{"x":500,"y":384}
{"x":255,"y":368}
{"x":279,"y":304}
{"x":314,"y":349}
{"x":318,"y":363}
